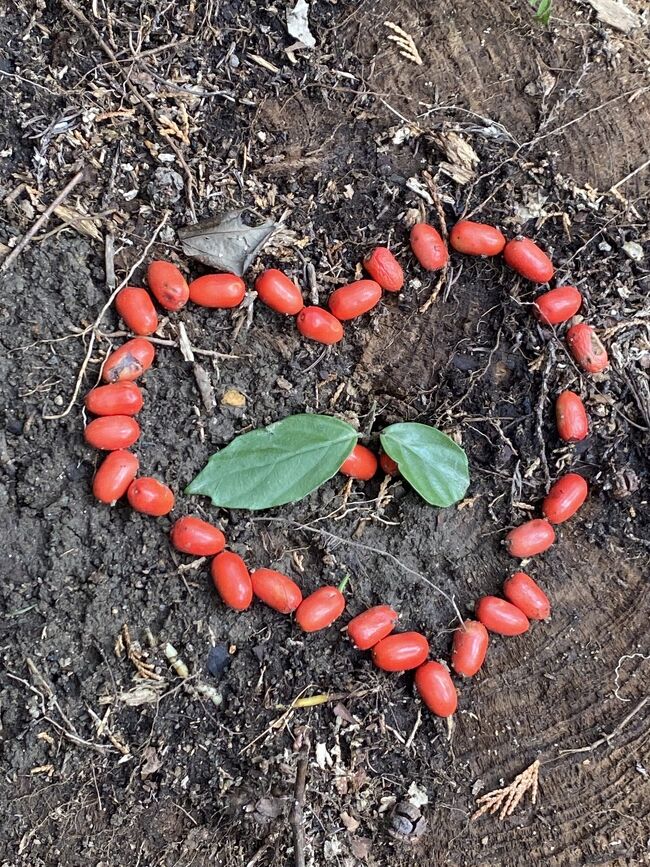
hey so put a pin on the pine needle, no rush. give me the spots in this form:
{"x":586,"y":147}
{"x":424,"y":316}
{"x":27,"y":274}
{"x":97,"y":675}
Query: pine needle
{"x":507,"y":798}
{"x":405,"y":42}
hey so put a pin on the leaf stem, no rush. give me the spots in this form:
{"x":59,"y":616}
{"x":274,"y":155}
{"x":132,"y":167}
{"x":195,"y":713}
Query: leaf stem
{"x":343,"y":584}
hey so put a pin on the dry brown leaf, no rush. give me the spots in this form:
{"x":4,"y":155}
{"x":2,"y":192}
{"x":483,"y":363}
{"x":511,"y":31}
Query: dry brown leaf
{"x":232,"y":397}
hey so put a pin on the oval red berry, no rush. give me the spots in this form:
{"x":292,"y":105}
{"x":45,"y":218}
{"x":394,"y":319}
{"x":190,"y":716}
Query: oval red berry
{"x":118,"y":398}
{"x":355,"y":299}
{"x":530,"y":538}
{"x":436,"y":688}
{"x":469,"y":647}
{"x":150,"y":497}
{"x":529,"y":260}
{"x":586,"y":348}
{"x":500,"y":616}
{"x":219,"y":291}
{"x":565,"y":498}
{"x":360,"y":464}
{"x":112,"y":432}
{"x":168,"y":285}
{"x":558,"y":305}
{"x":520,"y":590}
{"x":278,"y":292}
{"x":232,"y":580}
{"x":318,"y":324}
{"x":384,"y":269}
{"x":476,"y":239}
{"x":278,"y":591}
{"x":400,"y":651}
{"x":115,"y":474}
{"x":320,"y":609}
{"x":428,"y":247}
{"x":134,"y":305}
{"x":571,"y":417}
{"x":368,"y":628}
{"x":129,"y":361}
{"x":191,"y":535}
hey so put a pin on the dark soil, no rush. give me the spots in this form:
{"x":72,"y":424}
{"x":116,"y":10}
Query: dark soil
{"x":103,"y":767}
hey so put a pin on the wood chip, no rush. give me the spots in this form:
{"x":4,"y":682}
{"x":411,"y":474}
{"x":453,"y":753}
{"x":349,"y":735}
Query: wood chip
{"x":616,"y":15}
{"x":232,"y":397}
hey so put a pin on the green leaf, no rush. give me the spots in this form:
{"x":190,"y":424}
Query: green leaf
{"x":429,"y":460}
{"x":277,"y":464}
{"x":543,"y":10}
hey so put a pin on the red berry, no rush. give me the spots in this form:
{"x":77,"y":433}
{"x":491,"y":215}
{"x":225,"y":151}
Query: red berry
{"x":355,"y":299}
{"x":558,"y":305}
{"x":360,"y":464}
{"x":500,"y":616}
{"x":476,"y":239}
{"x":191,"y":535}
{"x":129,"y":361}
{"x":428,"y":247}
{"x":318,"y":324}
{"x":529,"y":260}
{"x":278,"y":591}
{"x":571,"y":417}
{"x":400,"y":651}
{"x":168,"y":285}
{"x":384,"y":269}
{"x":436,"y":688}
{"x":565,"y":498}
{"x":278,"y":292}
{"x":112,"y":432}
{"x":217,"y":290}
{"x":150,"y":497}
{"x":114,"y":476}
{"x":527,"y":596}
{"x":388,"y":465}
{"x":320,"y":609}
{"x":530,"y":538}
{"x":232,"y":580}
{"x":119,"y":398}
{"x":469,"y":646}
{"x":136,"y":308}
{"x":369,"y":627}
{"x":586,"y":348}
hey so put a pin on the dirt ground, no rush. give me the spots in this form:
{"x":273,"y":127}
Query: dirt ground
{"x":109,"y":755}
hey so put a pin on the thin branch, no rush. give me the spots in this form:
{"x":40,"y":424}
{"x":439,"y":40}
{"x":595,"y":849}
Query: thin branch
{"x":297,"y":814}
{"x":63,"y":195}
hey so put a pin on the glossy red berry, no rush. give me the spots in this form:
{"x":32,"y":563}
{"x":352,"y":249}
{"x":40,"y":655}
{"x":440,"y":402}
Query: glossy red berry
{"x":476,"y":239}
{"x":469,"y":646}
{"x":318,"y":324}
{"x":384,"y":269}
{"x":388,"y":465}
{"x":520,"y":590}
{"x":571,"y":417}
{"x":360,"y":464}
{"x":115,"y":474}
{"x":278,"y":591}
{"x":232,"y":580}
{"x":400,"y":651}
{"x":565,"y":498}
{"x":428,"y":247}
{"x":529,"y":260}
{"x":586,"y":348}
{"x":129,"y":361}
{"x":119,"y":398}
{"x":220,"y":291}
{"x":530,"y":538}
{"x":112,"y":432}
{"x":168,"y":285}
{"x":278,"y":292}
{"x":136,"y":308}
{"x":320,"y":609}
{"x":436,"y":688}
{"x":191,"y":535}
{"x":355,"y":299}
{"x":368,"y":628}
{"x":558,"y":305}
{"x":150,"y":497}
{"x":500,"y":616}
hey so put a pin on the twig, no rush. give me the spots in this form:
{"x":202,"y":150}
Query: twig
{"x":65,"y":192}
{"x":93,"y":329}
{"x":607,"y":738}
{"x":543,"y":392}
{"x":108,"y":51}
{"x":379,"y":551}
{"x":297,"y":814}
